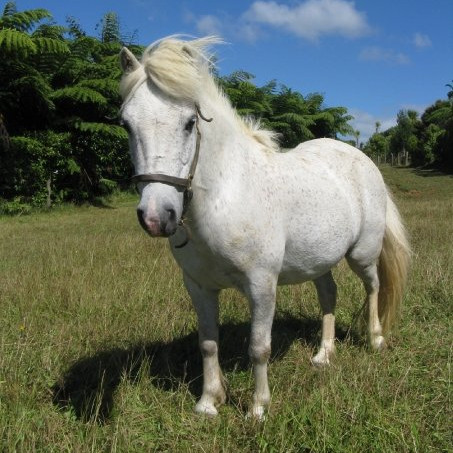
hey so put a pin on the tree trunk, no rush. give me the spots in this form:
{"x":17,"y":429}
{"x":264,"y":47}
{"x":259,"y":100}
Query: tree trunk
{"x":49,"y":193}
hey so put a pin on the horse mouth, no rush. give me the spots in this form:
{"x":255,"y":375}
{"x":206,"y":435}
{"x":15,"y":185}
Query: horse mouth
{"x":156,"y":228}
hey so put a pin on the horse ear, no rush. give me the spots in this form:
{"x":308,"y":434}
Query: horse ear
{"x":128,"y":61}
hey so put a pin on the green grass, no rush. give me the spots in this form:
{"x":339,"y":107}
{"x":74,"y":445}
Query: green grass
{"x":98,"y":345}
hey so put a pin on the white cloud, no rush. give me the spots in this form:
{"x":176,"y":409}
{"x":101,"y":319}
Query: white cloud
{"x":209,"y":25}
{"x":365,"y":123}
{"x":376,"y":53}
{"x":226,"y":26}
{"x":310,"y":19}
{"x":247,"y":31}
{"x":421,"y":41}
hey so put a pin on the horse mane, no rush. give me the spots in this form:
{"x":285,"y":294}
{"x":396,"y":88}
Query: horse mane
{"x":183,"y":70}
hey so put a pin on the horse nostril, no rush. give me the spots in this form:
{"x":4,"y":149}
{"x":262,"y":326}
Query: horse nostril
{"x":141,"y":219}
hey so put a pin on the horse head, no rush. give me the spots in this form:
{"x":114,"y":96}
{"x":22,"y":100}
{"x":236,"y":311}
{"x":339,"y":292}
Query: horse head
{"x":161,"y":114}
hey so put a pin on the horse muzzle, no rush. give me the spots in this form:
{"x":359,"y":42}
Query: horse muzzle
{"x":163,"y":225}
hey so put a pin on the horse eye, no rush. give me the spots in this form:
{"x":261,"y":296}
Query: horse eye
{"x":190,"y":124}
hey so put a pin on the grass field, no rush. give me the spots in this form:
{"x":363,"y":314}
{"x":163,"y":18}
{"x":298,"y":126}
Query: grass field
{"x":98,"y":345}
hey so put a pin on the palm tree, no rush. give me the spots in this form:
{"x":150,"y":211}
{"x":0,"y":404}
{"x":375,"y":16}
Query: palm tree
{"x":377,"y":125}
{"x":450,"y":93}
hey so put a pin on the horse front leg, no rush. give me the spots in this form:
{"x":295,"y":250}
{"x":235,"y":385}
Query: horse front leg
{"x":261,"y":294}
{"x":206,"y":305}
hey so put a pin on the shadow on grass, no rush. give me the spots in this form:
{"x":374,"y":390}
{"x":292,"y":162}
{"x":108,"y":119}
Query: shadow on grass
{"x":89,"y":384}
{"x":427,"y":172}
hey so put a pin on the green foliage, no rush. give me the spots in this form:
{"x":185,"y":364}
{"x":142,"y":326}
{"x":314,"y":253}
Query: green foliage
{"x":112,"y":131}
{"x":295,"y":117}
{"x":377,"y":145}
{"x":59,"y":87}
{"x":31,"y":161}
{"x":14,"y":207}
{"x":23,"y":21}
{"x":428,"y":139}
{"x":101,"y":153}
{"x":56,"y":97}
{"x":45,"y":44}
{"x":79,"y":95}
{"x":16,"y":42}
{"x":110,"y":28}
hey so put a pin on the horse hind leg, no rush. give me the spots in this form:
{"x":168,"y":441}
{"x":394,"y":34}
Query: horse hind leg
{"x":327,"y":295}
{"x":370,"y":277}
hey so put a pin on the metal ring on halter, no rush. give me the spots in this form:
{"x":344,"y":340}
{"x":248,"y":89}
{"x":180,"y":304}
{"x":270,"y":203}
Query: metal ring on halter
{"x":188,"y":234}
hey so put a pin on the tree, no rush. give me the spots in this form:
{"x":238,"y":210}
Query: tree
{"x":110,"y":28}
{"x":450,"y":93}
{"x":356,"y":134}
{"x":295,"y":117}
{"x":428,"y":139}
{"x":404,"y":137}
{"x":437,"y":121}
{"x":248,"y":99}
{"x":59,"y":100}
{"x":59,"y":97}
{"x":291,"y":117}
{"x":377,"y":146}
{"x":27,"y":49}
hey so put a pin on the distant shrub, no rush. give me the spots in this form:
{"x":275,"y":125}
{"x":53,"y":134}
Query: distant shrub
{"x":14,"y":207}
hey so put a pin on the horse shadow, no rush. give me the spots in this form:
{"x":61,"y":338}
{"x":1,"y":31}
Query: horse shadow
{"x":88,"y":386}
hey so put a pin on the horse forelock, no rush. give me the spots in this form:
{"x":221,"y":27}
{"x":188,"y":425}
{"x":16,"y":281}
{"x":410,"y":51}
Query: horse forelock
{"x":182,"y":70}
{"x":129,"y":81}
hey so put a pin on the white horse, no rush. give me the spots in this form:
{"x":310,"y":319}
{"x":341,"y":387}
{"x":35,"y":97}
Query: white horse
{"x":258,"y":217}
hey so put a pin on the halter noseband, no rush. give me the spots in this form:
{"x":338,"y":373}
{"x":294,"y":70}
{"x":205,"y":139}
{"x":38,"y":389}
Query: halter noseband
{"x":184,"y":183}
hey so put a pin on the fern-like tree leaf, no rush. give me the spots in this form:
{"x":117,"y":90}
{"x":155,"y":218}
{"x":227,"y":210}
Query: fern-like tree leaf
{"x":78,"y":94}
{"x":51,"y":45}
{"x":23,"y":21}
{"x":112,"y":130}
{"x":16,"y":42}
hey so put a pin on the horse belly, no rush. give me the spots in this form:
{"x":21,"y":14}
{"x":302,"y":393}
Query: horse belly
{"x":315,"y":245}
{"x":306,"y":261}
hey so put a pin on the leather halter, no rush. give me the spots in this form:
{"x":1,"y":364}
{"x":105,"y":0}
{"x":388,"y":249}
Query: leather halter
{"x":183,"y":183}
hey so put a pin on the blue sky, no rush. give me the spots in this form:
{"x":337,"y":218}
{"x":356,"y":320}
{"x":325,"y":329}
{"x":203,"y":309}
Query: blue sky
{"x":373,"y":57}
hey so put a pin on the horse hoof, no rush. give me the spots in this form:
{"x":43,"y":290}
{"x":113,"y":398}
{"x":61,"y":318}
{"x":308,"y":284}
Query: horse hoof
{"x":318,"y":364}
{"x":378,"y":343}
{"x":257,"y":413}
{"x":206,"y":409}
{"x":320,"y":360}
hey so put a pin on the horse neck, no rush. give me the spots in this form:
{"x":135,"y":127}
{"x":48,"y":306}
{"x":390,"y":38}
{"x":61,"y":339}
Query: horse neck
{"x":225,"y":145}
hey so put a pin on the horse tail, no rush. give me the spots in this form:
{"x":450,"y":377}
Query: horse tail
{"x":393,"y":266}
